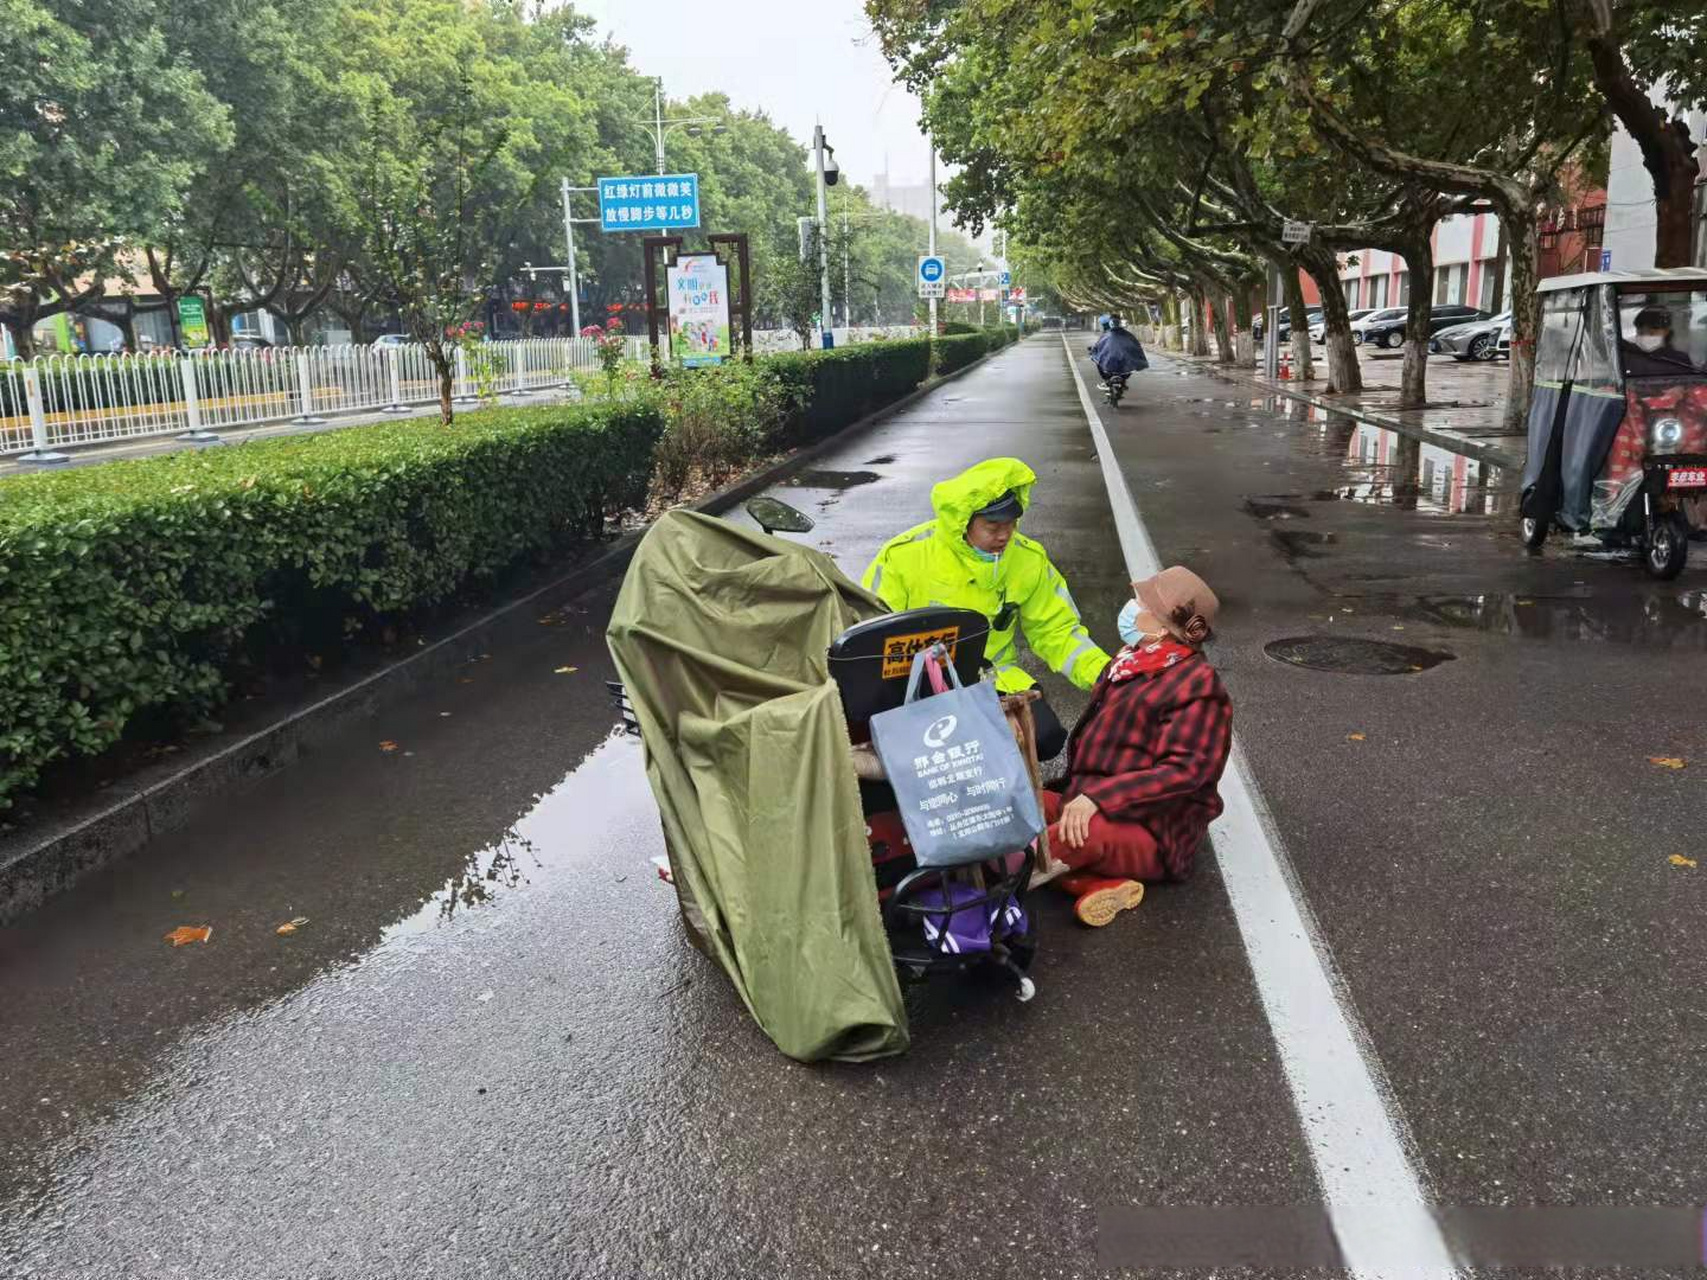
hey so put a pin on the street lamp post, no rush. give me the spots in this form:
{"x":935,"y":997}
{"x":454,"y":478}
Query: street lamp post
{"x":661,"y":127}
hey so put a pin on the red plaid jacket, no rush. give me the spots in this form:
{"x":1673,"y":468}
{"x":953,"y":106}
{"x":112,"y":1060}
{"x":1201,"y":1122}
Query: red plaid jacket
{"x":1151,"y":750}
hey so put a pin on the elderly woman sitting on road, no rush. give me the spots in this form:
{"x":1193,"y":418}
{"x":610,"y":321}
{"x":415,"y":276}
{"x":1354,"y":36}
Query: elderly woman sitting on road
{"x":1145,"y":759}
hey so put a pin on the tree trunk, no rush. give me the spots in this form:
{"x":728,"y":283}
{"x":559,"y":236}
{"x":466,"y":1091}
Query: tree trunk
{"x":1303,"y":364}
{"x":1413,"y":379}
{"x":24,"y":339}
{"x":1520,"y":227}
{"x":447,"y":379}
{"x":1344,"y":374}
{"x":1223,"y":334}
{"x":1674,"y":200}
{"x":1199,"y":338}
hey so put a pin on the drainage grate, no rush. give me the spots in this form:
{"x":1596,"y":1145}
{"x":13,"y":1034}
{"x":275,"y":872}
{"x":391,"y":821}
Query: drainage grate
{"x":1350,"y":656}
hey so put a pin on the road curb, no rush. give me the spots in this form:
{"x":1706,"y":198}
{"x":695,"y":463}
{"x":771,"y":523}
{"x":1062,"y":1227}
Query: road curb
{"x":1454,"y":441}
{"x":55,"y":860}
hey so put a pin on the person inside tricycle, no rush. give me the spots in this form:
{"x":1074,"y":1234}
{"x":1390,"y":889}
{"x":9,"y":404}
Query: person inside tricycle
{"x":1618,"y":422}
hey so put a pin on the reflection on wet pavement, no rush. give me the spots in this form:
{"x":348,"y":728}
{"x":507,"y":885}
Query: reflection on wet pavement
{"x":442,"y":844}
{"x":1659,"y":621}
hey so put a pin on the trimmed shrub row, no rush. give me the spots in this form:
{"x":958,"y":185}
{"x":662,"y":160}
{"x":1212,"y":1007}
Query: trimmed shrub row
{"x":835,"y":388}
{"x":134,"y":585}
{"x":956,"y":351}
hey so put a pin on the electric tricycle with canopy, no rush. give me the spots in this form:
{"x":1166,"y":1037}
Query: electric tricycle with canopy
{"x":1618,"y":422}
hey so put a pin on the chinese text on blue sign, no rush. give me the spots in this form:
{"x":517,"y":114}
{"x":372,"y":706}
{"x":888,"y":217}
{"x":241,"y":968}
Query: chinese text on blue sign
{"x":649,"y":203}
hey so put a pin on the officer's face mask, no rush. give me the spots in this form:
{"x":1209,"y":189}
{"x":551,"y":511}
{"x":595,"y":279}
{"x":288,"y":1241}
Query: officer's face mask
{"x":988,"y":557}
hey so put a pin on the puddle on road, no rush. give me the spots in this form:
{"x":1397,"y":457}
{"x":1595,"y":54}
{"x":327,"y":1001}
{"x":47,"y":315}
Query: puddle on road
{"x":1276,"y":508}
{"x":1348,"y":655}
{"x":840,"y":481}
{"x":1302,"y":544}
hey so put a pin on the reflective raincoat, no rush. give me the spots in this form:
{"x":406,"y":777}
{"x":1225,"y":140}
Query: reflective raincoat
{"x":933,"y":564}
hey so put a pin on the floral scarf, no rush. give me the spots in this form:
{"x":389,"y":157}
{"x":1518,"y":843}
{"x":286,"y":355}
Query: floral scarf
{"x":1144,"y":660}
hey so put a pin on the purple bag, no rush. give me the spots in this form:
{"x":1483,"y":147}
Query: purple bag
{"x":967,"y":930}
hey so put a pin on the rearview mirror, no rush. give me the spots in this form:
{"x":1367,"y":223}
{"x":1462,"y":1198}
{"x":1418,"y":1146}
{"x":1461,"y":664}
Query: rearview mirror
{"x":779,"y":517}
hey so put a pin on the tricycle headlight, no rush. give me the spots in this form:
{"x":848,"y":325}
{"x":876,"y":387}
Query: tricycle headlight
{"x":1668,"y":433}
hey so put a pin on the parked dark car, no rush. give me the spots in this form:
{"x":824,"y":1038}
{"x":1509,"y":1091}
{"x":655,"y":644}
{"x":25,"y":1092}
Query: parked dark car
{"x":1478,"y":340}
{"x":1389,"y":330}
{"x":1285,"y":330}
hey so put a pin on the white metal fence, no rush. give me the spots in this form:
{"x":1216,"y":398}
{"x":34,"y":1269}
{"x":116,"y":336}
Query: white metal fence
{"x":57,"y":401}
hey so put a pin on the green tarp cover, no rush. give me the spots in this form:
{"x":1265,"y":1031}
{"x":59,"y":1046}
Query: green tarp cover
{"x":720,"y":635}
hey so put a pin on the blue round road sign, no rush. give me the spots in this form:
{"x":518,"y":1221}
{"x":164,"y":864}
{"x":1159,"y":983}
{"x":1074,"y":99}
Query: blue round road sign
{"x":930,"y":270}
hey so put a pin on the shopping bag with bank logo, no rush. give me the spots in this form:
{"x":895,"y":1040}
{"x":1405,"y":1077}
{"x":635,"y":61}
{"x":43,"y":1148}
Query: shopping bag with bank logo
{"x":960,"y":782}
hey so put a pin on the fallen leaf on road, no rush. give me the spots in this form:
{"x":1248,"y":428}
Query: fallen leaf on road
{"x":388,"y":745}
{"x":291,"y":926}
{"x":566,"y":671}
{"x":1354,"y":737}
{"x":1397,"y":627}
{"x":1678,"y":860}
{"x":464,"y":680}
{"x":1667,"y":762}
{"x":189,"y":933}
{"x":444,"y":715}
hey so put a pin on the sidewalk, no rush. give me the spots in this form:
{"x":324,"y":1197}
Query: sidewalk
{"x":1466,"y":401}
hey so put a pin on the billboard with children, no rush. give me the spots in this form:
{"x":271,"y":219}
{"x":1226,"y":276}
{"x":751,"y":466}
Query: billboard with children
{"x":699,"y":310}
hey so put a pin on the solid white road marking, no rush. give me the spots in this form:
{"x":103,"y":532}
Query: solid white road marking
{"x":1373,"y":1193}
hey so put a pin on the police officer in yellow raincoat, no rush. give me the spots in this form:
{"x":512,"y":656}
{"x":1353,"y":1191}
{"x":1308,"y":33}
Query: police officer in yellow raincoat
{"x":973,"y":556}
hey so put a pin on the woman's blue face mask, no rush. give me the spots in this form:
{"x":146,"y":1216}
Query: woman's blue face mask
{"x":1127,"y":623}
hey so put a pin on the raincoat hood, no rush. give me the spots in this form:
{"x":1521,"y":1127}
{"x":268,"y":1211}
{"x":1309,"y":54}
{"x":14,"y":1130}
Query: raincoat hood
{"x":954,"y":500}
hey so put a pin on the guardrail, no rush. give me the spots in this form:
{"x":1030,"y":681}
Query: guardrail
{"x":59,"y":401}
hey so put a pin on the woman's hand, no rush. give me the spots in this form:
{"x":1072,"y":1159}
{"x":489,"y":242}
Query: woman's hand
{"x":1075,"y":821}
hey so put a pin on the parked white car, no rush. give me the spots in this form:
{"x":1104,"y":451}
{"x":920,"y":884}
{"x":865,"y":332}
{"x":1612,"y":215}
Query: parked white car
{"x":1319,"y":330}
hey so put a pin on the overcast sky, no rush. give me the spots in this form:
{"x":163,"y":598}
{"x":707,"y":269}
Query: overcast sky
{"x":797,"y":60}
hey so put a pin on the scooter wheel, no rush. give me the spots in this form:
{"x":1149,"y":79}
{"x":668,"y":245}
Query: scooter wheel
{"x":1534,"y":532}
{"x":1668,"y":546}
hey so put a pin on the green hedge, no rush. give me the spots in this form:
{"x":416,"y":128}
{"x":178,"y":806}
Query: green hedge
{"x":836,"y":388}
{"x":134,"y":585}
{"x":956,"y":351}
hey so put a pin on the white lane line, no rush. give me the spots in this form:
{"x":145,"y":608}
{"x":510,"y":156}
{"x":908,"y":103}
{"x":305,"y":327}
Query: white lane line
{"x":1357,"y":1141}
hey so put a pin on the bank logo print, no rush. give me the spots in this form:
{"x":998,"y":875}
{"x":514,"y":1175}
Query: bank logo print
{"x":940,"y":731}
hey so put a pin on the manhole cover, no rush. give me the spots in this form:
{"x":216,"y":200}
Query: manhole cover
{"x":1350,"y":656}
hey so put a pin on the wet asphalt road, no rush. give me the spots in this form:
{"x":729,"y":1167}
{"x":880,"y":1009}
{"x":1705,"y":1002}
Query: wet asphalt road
{"x":491,"y":1050}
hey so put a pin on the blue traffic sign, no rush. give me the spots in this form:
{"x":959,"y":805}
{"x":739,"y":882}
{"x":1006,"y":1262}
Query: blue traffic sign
{"x":649,"y":203}
{"x":1007,"y":278}
{"x":931,"y":269}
